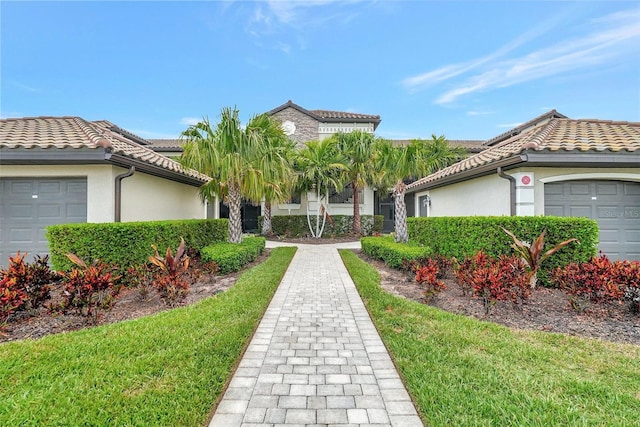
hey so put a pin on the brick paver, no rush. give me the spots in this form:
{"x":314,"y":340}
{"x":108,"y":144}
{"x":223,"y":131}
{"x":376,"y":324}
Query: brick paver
{"x":316,"y":359}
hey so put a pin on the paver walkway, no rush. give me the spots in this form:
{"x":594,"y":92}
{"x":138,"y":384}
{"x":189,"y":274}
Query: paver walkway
{"x":316,"y":358}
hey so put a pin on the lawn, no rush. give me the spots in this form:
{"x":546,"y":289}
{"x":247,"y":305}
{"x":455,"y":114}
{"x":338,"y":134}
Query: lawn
{"x":461,"y":371}
{"x":162,"y":370}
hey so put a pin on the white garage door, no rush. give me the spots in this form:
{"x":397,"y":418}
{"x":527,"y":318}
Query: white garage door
{"x":28,"y":205}
{"x":614,"y":204}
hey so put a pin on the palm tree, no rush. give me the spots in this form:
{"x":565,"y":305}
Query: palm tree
{"x":228,"y":155}
{"x":359,"y":149}
{"x":320,"y":167}
{"x":418,"y":158}
{"x":275,"y":164}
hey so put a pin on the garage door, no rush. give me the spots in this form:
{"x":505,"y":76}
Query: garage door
{"x":28,"y":205}
{"x":614,"y":204}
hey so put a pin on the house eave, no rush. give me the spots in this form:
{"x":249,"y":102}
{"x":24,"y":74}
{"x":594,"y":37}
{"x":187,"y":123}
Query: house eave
{"x":584,"y":159}
{"x":486,"y":169}
{"x":49,"y":156}
{"x":126,"y":162}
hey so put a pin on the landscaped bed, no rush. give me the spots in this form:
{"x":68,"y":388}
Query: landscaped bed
{"x":463,"y":371}
{"x":545,"y":310}
{"x":165,"y":369}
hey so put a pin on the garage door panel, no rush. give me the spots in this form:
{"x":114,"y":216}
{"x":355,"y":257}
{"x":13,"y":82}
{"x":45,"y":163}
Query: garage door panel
{"x":554,"y":210}
{"x":606,"y":189}
{"x":25,"y":217}
{"x":21,"y":188}
{"x":580,"y":211}
{"x":579,"y":189}
{"x":615,"y":205}
{"x":19,"y":212}
{"x":631,"y":189}
{"x":50,"y":188}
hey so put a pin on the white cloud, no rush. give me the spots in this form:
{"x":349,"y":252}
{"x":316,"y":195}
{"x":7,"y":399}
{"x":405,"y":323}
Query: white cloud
{"x":189,"y":121}
{"x":610,"y":37}
{"x":24,"y":87}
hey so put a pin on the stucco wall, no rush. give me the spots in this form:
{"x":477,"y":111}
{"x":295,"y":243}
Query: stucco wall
{"x":306,"y":126}
{"x":148,"y":198}
{"x":488,"y":195}
{"x":145,"y":197}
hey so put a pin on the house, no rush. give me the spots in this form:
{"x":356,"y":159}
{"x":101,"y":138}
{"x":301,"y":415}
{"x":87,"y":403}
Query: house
{"x":551,"y":165}
{"x":56,"y":170}
{"x":302,"y":125}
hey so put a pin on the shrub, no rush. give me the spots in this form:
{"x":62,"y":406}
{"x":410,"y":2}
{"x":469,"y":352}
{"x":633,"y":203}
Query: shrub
{"x":296,"y":225}
{"x":392,"y":253}
{"x":231,"y":257}
{"x":128,"y":244}
{"x":502,"y":279}
{"x":88,"y":289}
{"x":460,"y":237}
{"x":427,"y":275}
{"x":170,"y":281}
{"x":140,"y":277}
{"x":598,"y":281}
{"x":25,"y":286}
{"x":12,"y":295}
{"x":532,"y":253}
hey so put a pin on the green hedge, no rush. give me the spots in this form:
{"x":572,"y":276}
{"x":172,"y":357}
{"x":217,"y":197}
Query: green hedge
{"x":233,"y":256}
{"x":392,"y":253}
{"x":463,"y":236}
{"x":129,"y":243}
{"x":296,"y":225}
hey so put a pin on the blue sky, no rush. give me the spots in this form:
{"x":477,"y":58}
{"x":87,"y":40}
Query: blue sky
{"x":468,"y":70}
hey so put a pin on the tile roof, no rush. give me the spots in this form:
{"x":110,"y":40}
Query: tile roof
{"x":65,"y":133}
{"x":165,"y":144}
{"x":558,"y":135}
{"x":330,"y":116}
{"x":343,"y":115}
{"x":543,"y":118}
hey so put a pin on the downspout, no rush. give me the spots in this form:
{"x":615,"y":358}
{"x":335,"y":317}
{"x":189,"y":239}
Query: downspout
{"x":512,"y":190}
{"x":118,"y":201}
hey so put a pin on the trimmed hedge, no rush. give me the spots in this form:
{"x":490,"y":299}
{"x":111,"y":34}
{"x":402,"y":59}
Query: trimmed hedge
{"x":463,"y":236}
{"x":296,"y":225}
{"x":233,"y":256}
{"x":129,"y":243}
{"x":392,"y":253}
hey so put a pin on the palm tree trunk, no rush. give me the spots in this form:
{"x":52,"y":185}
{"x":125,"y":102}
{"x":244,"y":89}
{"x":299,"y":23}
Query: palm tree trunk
{"x":235,"y":218}
{"x":266,"y":219}
{"x":356,"y":209}
{"x":317,"y":233}
{"x":402,"y":235}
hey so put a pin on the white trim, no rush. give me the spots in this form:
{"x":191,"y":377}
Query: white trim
{"x":616,"y":176}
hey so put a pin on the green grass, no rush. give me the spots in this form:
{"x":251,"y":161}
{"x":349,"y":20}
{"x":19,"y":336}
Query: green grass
{"x":163,"y":370}
{"x":465,"y":372}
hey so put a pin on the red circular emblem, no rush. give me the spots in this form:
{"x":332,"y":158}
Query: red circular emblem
{"x":526,"y":180}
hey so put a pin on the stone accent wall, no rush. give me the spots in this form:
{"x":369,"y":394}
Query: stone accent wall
{"x":306,"y":126}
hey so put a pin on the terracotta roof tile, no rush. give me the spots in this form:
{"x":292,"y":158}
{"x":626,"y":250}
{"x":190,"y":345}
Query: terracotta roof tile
{"x":557,"y":135}
{"x":77,"y":133}
{"x":344,"y":115}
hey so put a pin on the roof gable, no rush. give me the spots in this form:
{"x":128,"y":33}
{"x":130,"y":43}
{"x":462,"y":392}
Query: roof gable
{"x":558,"y":135}
{"x":329,"y":116}
{"x":552,"y":114}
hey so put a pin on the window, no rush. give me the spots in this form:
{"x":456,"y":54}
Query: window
{"x":345,"y":196}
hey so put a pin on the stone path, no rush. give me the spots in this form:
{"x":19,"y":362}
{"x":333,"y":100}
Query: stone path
{"x":316,"y":358}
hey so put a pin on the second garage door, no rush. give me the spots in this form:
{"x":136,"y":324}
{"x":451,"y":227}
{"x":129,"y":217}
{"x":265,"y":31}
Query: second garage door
{"x":614,"y":204}
{"x":28,"y":205}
